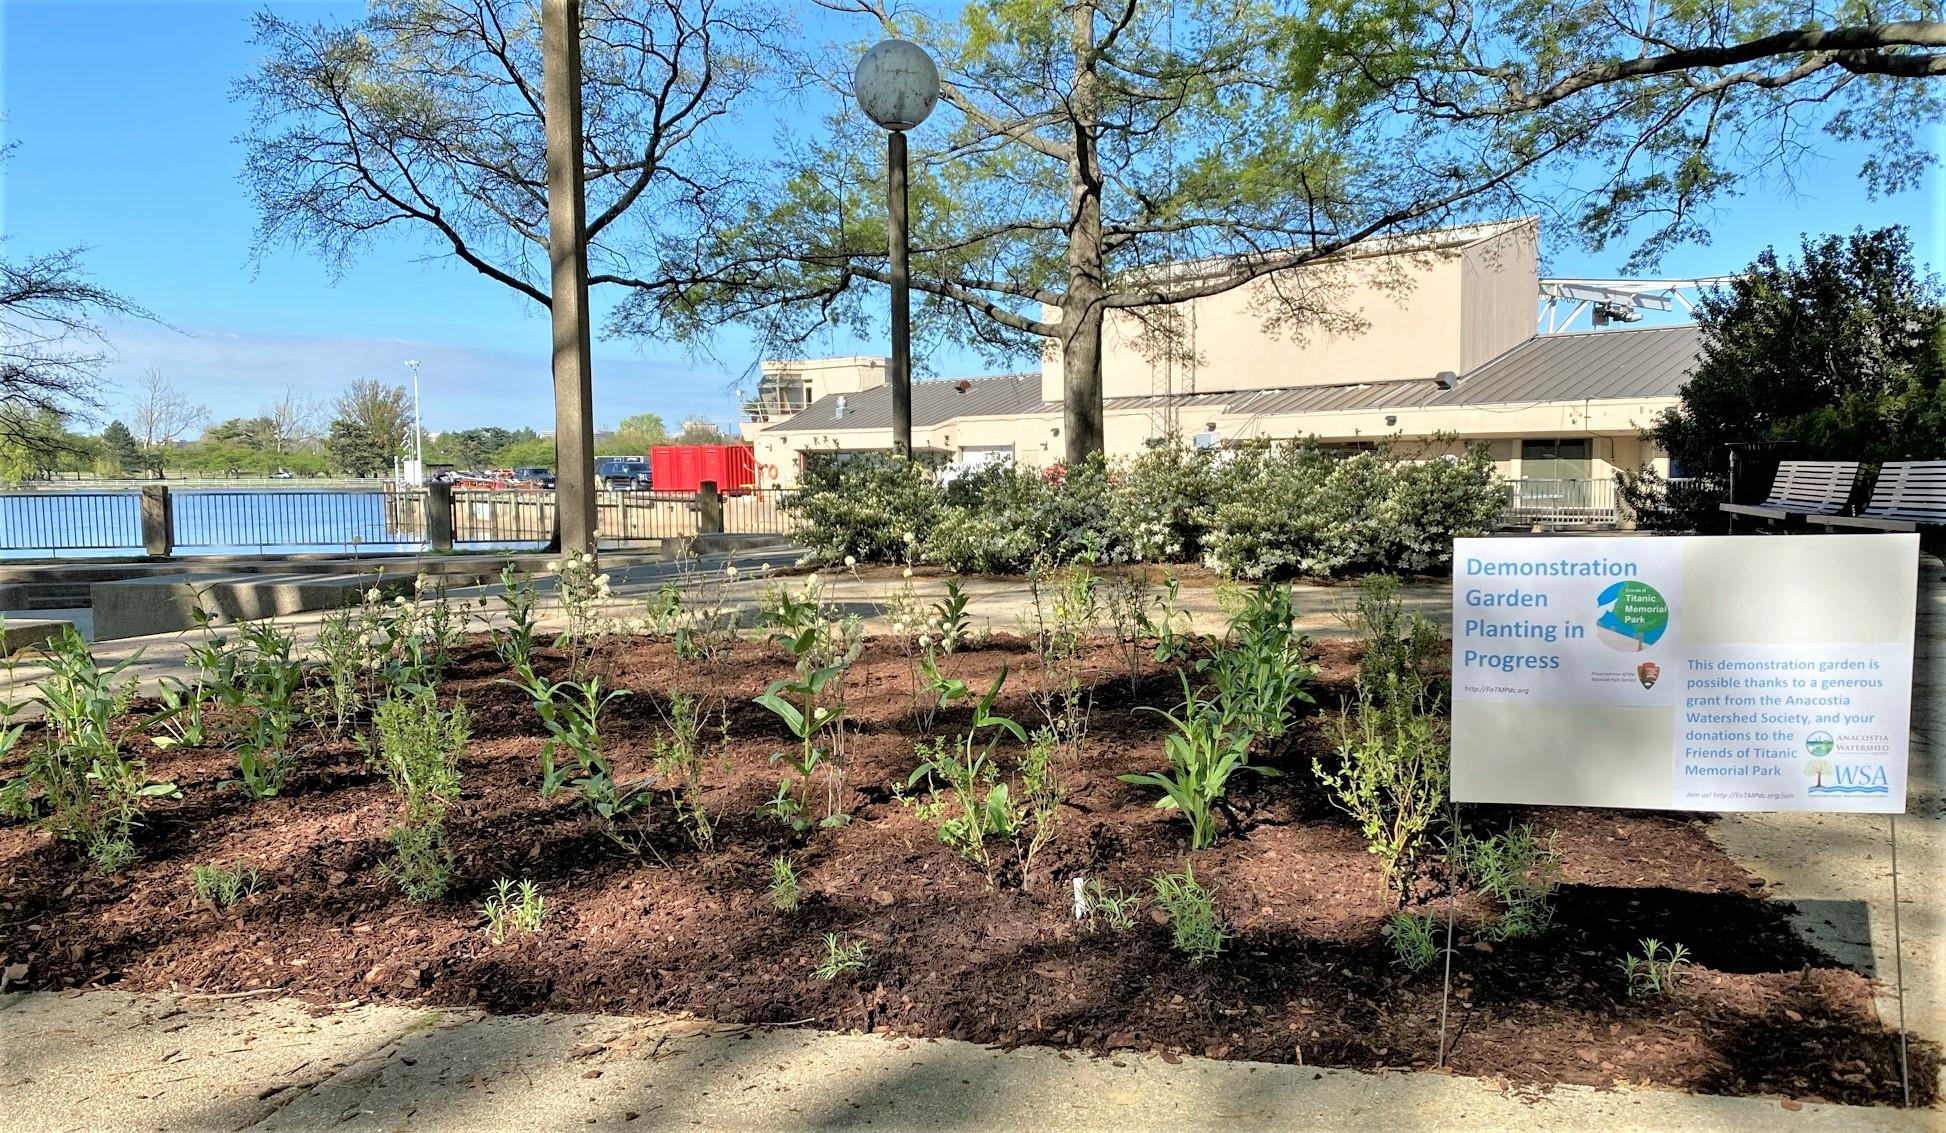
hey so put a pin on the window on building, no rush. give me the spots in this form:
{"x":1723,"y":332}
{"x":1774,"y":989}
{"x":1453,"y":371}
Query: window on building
{"x":1555,"y":460}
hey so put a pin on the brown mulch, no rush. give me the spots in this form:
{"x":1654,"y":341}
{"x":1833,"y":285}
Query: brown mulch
{"x":1309,"y":977}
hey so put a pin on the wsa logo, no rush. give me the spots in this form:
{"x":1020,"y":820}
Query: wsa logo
{"x":1830,"y":778}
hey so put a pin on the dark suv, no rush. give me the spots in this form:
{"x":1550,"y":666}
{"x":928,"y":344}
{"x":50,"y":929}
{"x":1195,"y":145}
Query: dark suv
{"x":623,"y":475}
{"x":540,"y":477}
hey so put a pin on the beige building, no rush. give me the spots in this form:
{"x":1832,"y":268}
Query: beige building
{"x":1412,"y":341}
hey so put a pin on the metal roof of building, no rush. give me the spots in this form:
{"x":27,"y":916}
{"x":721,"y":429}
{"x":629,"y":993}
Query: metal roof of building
{"x":1586,"y":366}
{"x":933,"y":403}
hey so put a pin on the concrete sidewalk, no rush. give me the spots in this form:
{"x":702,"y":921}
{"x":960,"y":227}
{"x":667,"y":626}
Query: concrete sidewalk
{"x":106,"y":1060}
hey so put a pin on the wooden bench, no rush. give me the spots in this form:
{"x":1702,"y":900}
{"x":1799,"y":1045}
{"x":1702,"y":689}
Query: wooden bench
{"x":1910,"y":494}
{"x":1804,"y":488}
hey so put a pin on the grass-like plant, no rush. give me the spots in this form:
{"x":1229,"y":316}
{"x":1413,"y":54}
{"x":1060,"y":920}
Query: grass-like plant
{"x":1203,"y":754}
{"x":1196,"y":929}
{"x":840,"y":956}
{"x":784,"y":894}
{"x":1656,"y":970}
{"x":679,"y":758}
{"x":514,"y":908}
{"x":417,"y":747}
{"x":1415,"y":940}
{"x":223,"y":886}
{"x":1520,"y":872}
{"x":1109,"y":908}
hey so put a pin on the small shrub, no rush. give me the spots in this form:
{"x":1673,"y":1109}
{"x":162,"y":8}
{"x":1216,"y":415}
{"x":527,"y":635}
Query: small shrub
{"x":1197,"y":930}
{"x":1656,"y":970}
{"x":1260,"y":673}
{"x":77,"y":783}
{"x":1415,"y":942}
{"x":221,"y":886}
{"x":1391,"y":777}
{"x":571,"y":713}
{"x":840,"y":956}
{"x":1520,"y":872}
{"x":976,"y":804}
{"x":514,"y":908}
{"x":784,"y":894}
{"x":265,"y":686}
{"x":417,"y":747}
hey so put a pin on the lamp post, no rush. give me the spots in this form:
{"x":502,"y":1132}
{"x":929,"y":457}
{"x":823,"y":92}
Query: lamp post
{"x":418,"y":426}
{"x":897,"y":86}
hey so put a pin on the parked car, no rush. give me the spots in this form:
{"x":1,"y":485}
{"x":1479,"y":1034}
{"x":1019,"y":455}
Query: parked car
{"x":282,"y":474}
{"x":619,"y":475}
{"x":542,"y":477}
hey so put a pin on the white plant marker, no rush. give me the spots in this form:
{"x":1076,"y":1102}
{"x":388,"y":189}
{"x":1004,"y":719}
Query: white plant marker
{"x":1080,"y":899}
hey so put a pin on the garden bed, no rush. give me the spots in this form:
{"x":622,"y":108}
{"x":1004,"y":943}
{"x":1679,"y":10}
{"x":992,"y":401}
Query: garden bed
{"x":1309,"y":976}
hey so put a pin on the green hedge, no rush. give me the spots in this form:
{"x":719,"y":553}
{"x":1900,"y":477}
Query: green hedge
{"x":1266,"y":510}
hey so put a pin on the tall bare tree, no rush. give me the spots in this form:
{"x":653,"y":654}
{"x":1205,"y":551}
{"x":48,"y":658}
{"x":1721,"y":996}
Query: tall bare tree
{"x":52,"y":347}
{"x":292,"y":418}
{"x":159,"y":413}
{"x":425,"y":118}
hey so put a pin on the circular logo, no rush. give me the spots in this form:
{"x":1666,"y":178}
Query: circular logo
{"x":1819,"y":744}
{"x":1634,"y":616}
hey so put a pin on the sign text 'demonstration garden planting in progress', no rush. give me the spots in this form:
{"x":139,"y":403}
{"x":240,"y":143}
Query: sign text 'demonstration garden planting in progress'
{"x":1689,"y":673}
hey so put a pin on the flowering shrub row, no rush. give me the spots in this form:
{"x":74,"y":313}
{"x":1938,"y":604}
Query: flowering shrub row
{"x":1265,"y":510}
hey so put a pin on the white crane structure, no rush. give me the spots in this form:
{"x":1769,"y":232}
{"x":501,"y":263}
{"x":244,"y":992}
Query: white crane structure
{"x":1615,"y":300}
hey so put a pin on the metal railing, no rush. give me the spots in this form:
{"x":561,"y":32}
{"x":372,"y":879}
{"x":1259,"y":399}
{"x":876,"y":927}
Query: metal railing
{"x":273,"y":520}
{"x":1561,"y":503}
{"x":761,"y":511}
{"x":70,"y":521}
{"x":297,"y":519}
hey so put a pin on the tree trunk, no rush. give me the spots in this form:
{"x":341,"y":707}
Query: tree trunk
{"x":1081,"y":313}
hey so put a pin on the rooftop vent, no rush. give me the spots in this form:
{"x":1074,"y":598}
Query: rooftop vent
{"x":962,"y":385}
{"x":839,"y":409}
{"x":1446,"y":379}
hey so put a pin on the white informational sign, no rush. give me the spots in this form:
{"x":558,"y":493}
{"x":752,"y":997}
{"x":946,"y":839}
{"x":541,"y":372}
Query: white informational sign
{"x":1684,"y":672}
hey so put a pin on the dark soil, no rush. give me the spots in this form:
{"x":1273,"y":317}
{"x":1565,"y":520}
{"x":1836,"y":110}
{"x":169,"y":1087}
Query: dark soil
{"x":1309,"y":977}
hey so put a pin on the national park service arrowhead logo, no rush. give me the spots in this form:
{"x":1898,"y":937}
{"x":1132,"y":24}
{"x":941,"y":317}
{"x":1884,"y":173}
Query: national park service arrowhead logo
{"x":1648,"y":672}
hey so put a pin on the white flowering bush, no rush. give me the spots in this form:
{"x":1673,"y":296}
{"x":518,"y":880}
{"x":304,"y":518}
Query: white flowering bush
{"x":1161,"y":502}
{"x":863,"y":507}
{"x":1297,"y":509}
{"x":1270,"y":510}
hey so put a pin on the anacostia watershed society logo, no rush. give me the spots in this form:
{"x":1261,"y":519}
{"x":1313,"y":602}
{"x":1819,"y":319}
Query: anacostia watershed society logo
{"x":1841,"y":776}
{"x":1634,"y":616}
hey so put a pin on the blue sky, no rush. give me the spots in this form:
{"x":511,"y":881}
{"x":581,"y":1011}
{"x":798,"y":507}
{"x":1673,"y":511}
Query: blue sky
{"x":123,"y":126}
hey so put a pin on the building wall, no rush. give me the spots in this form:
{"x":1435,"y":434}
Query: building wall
{"x":1404,"y":315}
{"x":1499,"y":282}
